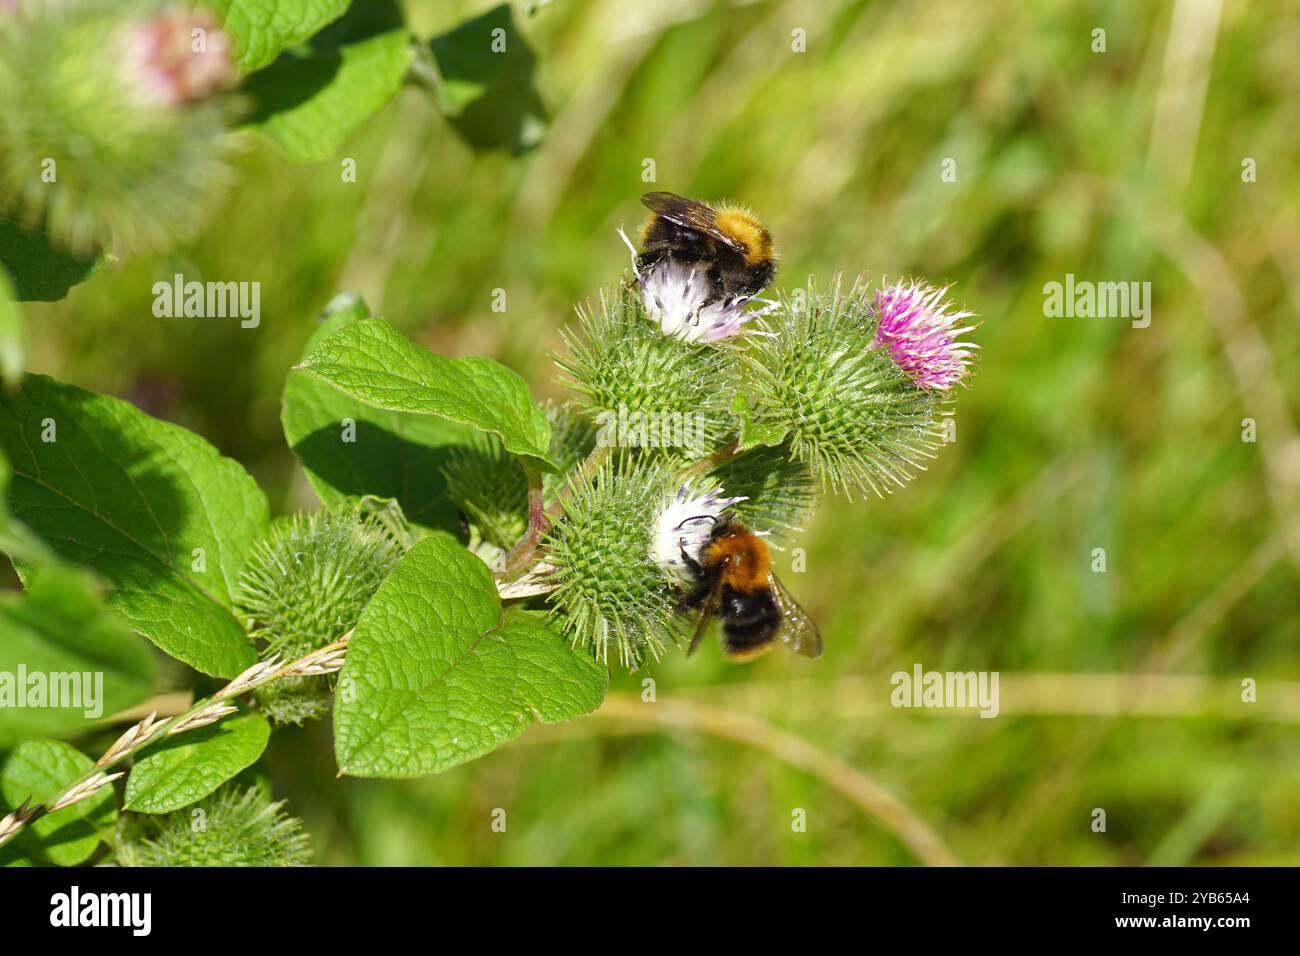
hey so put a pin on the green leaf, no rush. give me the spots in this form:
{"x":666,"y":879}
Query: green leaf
{"x":39,"y":769}
{"x":162,"y":517}
{"x":437,"y":674}
{"x":484,"y":83}
{"x":391,"y":455}
{"x":192,"y":765}
{"x":374,"y":363}
{"x":59,"y":627}
{"x":40,"y":269}
{"x":260,"y":29}
{"x":13,"y":335}
{"x":754,"y":434}
{"x":310,"y":104}
{"x":16,"y":539}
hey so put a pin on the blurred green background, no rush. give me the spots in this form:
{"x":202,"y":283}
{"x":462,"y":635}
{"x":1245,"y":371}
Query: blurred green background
{"x":1119,"y":690}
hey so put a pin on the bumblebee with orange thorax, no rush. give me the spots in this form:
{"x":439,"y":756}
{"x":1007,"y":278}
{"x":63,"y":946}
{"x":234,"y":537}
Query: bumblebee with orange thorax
{"x":730,"y":245}
{"x":734,"y":580}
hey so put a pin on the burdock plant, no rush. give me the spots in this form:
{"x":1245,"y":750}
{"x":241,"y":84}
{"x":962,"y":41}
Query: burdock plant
{"x":480,"y":560}
{"x":684,"y":410}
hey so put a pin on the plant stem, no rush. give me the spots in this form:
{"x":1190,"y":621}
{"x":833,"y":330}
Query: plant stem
{"x":589,"y":465}
{"x":527,"y":550}
{"x":423,"y":71}
{"x":520,"y":556}
{"x":708,"y":463}
{"x":159,"y":730}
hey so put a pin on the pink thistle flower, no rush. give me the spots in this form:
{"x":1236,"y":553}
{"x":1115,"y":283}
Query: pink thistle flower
{"x":921,"y":335}
{"x":180,"y":57}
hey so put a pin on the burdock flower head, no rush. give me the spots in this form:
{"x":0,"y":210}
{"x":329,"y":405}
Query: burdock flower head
{"x":179,"y":57}
{"x":244,"y":828}
{"x":914,"y":324}
{"x":112,"y":111}
{"x":610,"y":591}
{"x":685,"y":524}
{"x":624,"y":370}
{"x":678,"y":298}
{"x":860,"y":392}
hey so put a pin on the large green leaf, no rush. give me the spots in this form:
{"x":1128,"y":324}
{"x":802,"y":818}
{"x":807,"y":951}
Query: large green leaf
{"x":260,"y":29}
{"x":387,"y":454}
{"x":485,"y":83}
{"x":60,"y":629}
{"x":374,"y":363}
{"x":437,"y":673}
{"x":39,"y":268}
{"x":192,"y":765}
{"x":310,"y":103}
{"x":163,"y":518}
{"x":39,"y":769}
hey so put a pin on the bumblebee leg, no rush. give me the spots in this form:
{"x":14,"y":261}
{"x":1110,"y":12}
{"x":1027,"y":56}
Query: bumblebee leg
{"x":691,"y":564}
{"x":695,"y":597}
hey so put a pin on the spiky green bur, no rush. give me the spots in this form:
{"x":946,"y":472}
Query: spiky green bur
{"x":854,"y":416}
{"x":779,"y":488}
{"x":488,"y":485}
{"x":305,"y":585}
{"x":80,"y":107}
{"x":573,"y":436}
{"x":611,"y":593}
{"x":229,"y":828}
{"x":643,"y":388}
{"x":295,"y":700}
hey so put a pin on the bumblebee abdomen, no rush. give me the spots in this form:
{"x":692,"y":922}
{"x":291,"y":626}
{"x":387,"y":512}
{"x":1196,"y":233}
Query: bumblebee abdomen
{"x":749,"y":623}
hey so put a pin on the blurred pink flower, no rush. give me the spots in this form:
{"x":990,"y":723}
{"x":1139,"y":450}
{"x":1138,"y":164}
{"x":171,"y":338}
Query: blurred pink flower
{"x":179,"y":57}
{"x":921,"y":335}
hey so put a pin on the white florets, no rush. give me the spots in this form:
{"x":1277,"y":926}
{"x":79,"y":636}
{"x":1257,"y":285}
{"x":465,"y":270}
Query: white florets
{"x":685,"y":524}
{"x":676,"y":296}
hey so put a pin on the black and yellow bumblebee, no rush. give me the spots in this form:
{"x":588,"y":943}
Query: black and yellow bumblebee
{"x":729,"y":244}
{"x":734,"y":580}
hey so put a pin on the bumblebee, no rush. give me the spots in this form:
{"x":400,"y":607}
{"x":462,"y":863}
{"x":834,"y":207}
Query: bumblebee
{"x":734,"y":580}
{"x":729,"y":244}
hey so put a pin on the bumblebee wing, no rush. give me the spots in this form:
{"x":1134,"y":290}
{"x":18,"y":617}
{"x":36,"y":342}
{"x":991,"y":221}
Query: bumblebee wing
{"x":689,"y":213}
{"x":706,"y":615}
{"x":797,"y":629}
